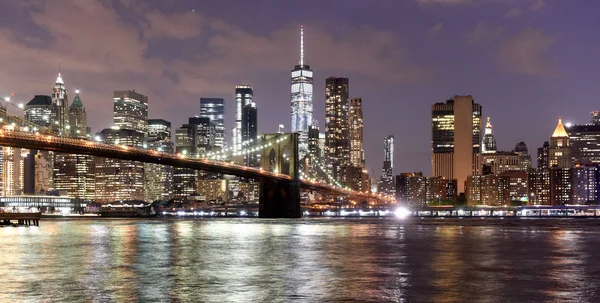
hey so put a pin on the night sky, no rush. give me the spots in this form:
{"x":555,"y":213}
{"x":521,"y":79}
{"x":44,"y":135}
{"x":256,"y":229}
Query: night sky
{"x":527,"y":62}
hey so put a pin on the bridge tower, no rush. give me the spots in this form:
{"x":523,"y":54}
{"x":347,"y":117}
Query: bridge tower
{"x":280,"y":198}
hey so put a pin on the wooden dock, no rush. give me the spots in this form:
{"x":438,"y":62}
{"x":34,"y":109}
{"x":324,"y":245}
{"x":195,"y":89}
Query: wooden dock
{"x":28,"y":219}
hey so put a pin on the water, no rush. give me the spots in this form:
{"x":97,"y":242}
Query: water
{"x":308,"y":260}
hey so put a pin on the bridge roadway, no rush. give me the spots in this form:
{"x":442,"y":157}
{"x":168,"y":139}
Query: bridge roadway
{"x":19,"y":139}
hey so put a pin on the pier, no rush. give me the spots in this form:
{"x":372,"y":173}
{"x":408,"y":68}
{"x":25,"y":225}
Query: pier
{"x":26,"y":219}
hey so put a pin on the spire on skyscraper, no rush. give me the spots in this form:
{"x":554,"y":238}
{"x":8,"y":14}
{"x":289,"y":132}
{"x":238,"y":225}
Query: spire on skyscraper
{"x":560,"y":130}
{"x":301,"y":45}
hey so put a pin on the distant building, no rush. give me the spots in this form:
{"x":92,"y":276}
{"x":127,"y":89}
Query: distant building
{"x":525,"y":158}
{"x":59,"y":117}
{"x":386,"y":181}
{"x":456,"y":139}
{"x":214,"y":109}
{"x":131,"y":110}
{"x":37,"y":110}
{"x":501,"y":161}
{"x":414,"y":190}
{"x":489,"y":142}
{"x":543,"y":154}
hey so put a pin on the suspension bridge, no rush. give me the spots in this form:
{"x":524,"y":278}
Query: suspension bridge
{"x":279,"y":173}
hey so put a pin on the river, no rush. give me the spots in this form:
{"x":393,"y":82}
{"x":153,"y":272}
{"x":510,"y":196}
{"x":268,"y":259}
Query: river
{"x":305,"y":260}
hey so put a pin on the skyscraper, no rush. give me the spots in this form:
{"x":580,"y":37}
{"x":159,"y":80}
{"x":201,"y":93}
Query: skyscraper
{"x":158,"y":179}
{"x":489,"y":142}
{"x":195,"y":137}
{"x":559,"y":154}
{"x":386,"y":181}
{"x":337,"y":127}
{"x":585,"y":141}
{"x":77,"y":118}
{"x":121,"y":179}
{"x":456,"y":139}
{"x":559,"y":159}
{"x":75,"y":174}
{"x":59,"y":117}
{"x":214,"y":109}
{"x":131,"y":110}
{"x":250,"y":130}
{"x":302,"y":98}
{"x":357,"y":151}
{"x":243,"y":96}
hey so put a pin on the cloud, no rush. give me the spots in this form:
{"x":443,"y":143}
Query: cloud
{"x":442,"y":2}
{"x":102,"y":51}
{"x":174,"y":26}
{"x":513,"y":13}
{"x":526,"y":53}
{"x":483,"y":33}
{"x":537,"y":5}
{"x":437,"y":28}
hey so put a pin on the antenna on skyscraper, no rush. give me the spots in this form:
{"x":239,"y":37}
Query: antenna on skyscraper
{"x":59,"y":66}
{"x":301,"y":45}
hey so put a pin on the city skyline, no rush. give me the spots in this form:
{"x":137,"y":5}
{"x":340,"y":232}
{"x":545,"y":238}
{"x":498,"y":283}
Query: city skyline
{"x":528,"y":98}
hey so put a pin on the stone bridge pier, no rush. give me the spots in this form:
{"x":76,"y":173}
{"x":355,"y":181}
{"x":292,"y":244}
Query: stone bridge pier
{"x":280,"y":198}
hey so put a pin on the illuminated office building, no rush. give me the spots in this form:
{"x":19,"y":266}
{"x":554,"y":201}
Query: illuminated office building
{"x":59,"y":116}
{"x":244,"y":95}
{"x":386,"y":181}
{"x":214,"y":109}
{"x":337,"y":127}
{"x":585,"y":141}
{"x":75,"y":174}
{"x":302,"y":99}
{"x":456,"y":139}
{"x":489,"y":142}
{"x":158,"y":179}
{"x":131,"y":110}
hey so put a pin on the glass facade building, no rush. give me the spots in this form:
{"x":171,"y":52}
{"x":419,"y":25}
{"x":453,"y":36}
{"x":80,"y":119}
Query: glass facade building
{"x":214,"y":109}
{"x":302,"y":99}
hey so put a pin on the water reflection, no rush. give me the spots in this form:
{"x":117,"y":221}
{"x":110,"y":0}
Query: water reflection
{"x":300,"y":260}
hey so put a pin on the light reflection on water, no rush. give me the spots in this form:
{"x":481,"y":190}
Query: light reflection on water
{"x":253,"y":260}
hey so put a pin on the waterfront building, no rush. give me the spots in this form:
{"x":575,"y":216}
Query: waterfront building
{"x":415,"y":190}
{"x":119,"y":180}
{"x":456,"y":139}
{"x":38,"y":165}
{"x":518,"y":186}
{"x":357,"y":151}
{"x":13,"y":170}
{"x":74,"y":174}
{"x":386,"y":181}
{"x":214,"y":109}
{"x":302,"y":99}
{"x":489,"y":142}
{"x":158,"y":179}
{"x":45,"y":203}
{"x":560,"y":185}
{"x":244,"y":95}
{"x":492,"y":190}
{"x":585,"y":184}
{"x":337,"y":127}
{"x":539,"y":186}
